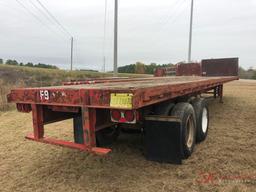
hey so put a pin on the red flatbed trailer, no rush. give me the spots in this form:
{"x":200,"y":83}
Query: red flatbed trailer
{"x":168,"y":111}
{"x":93,"y":103}
{"x":145,"y":91}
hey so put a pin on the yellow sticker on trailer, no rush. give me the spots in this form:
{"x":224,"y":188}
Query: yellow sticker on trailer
{"x":121,"y":100}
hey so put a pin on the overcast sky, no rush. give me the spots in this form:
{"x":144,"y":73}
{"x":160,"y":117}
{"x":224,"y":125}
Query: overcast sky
{"x":149,"y":31}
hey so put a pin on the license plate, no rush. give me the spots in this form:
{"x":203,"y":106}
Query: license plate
{"x":121,"y":100}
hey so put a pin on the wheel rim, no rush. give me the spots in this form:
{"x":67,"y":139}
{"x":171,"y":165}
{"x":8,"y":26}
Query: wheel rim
{"x":190,"y":131}
{"x":204,"y":120}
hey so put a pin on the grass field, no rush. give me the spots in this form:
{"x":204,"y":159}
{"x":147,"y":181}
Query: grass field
{"x":222,"y":163}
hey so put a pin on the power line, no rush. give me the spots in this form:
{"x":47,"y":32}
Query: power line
{"x":174,"y":4}
{"x":39,"y":20}
{"x":170,"y":20}
{"x":174,"y":14}
{"x":164,"y":21}
{"x":162,"y":18}
{"x":14,"y":9}
{"x":173,"y":18}
{"x":34,"y":15}
{"x":43,"y":13}
{"x":63,"y":28}
{"x":54,"y":18}
{"x":46,"y":16}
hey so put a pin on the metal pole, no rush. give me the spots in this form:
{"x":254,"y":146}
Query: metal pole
{"x":116,"y":38}
{"x":71,"y":56}
{"x":104,"y":38}
{"x":190,"y":31}
{"x":104,"y":64}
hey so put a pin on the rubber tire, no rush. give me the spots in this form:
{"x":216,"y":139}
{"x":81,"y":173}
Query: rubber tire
{"x":199,"y":104}
{"x":107,"y":136}
{"x":183,"y":111}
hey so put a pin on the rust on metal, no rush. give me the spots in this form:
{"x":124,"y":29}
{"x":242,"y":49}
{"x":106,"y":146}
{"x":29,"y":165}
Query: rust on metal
{"x":145,"y":91}
{"x":91,"y":102}
{"x":220,"y":67}
{"x":64,"y":109}
{"x":207,"y":67}
{"x":24,"y":108}
{"x":81,"y":147}
{"x":189,"y":69}
{"x":165,"y":71}
{"x":38,"y":121}
{"x":89,"y":124}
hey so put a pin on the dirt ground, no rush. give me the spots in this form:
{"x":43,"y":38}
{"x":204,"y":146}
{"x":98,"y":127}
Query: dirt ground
{"x":226,"y":161}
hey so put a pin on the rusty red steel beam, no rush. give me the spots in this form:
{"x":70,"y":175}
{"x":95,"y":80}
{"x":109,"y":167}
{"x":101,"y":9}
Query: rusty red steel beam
{"x":72,"y":145}
{"x":89,"y":129}
{"x":99,"y":97}
{"x":89,"y":124}
{"x":162,"y":93}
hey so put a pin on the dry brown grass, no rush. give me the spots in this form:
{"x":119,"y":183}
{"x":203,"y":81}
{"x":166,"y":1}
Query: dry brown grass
{"x":228,"y":151}
{"x":4,"y":90}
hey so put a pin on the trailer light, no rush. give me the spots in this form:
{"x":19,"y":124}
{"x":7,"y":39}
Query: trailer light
{"x":116,"y":115}
{"x":129,"y":116}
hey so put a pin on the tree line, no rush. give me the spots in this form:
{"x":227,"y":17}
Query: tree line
{"x":29,"y":64}
{"x":141,"y":68}
{"x":138,"y":67}
{"x":247,"y":73}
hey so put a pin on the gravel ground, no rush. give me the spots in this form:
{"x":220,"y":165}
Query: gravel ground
{"x":226,"y":161}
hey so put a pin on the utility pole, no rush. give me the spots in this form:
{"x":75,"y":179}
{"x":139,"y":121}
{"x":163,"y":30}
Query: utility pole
{"x":104,"y":40}
{"x":190,"y":31}
{"x":71,"y":55}
{"x":104,"y":64}
{"x":116,"y":39}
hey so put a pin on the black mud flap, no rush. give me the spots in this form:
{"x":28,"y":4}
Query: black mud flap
{"x":163,"y":141}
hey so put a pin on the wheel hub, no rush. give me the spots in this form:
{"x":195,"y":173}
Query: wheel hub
{"x":190,"y":131}
{"x":204,"y":120}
